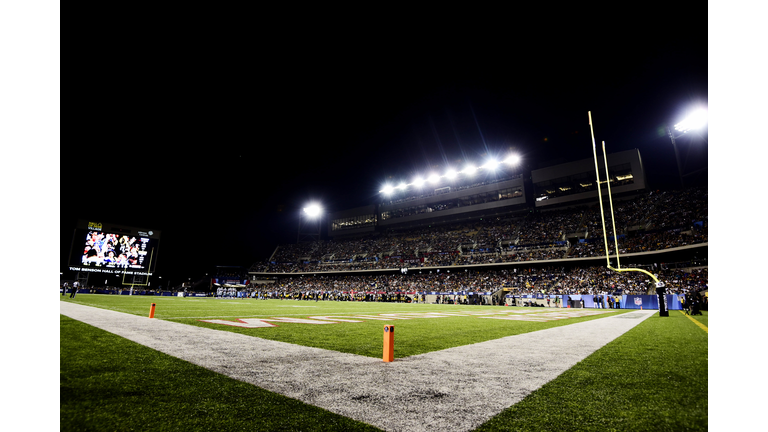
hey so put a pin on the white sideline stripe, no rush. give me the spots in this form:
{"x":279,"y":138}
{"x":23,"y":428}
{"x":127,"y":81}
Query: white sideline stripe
{"x":455,"y":389}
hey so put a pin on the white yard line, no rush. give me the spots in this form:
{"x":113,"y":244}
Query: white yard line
{"x":455,"y":389}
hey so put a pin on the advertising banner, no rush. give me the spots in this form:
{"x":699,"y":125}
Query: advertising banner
{"x":650,"y":302}
{"x":627,"y":301}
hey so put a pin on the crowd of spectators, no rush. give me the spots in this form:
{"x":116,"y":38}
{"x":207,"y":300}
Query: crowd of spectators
{"x":491,"y":283}
{"x":599,"y":280}
{"x":548,"y":227}
{"x":649,"y":222}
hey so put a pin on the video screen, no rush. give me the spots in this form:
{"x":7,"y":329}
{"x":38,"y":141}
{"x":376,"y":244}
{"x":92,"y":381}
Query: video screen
{"x":102,"y":249}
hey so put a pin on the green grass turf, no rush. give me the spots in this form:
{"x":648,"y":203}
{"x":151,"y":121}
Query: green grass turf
{"x":653,"y":378}
{"x":413,"y":336}
{"x":109,"y":383}
{"x":703,"y":318}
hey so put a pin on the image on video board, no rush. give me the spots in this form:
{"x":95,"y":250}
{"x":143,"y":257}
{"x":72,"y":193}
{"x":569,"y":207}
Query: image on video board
{"x":109,"y":250}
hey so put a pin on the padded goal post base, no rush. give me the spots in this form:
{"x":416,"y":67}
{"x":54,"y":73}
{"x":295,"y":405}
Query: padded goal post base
{"x":661,"y":290}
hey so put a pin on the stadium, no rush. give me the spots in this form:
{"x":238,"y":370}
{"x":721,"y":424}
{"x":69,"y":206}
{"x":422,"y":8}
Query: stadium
{"x":398,"y":232}
{"x":514,"y":302}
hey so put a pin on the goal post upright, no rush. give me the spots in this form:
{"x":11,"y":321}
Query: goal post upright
{"x":599,"y":189}
{"x":602,"y":212}
{"x":610,"y":204}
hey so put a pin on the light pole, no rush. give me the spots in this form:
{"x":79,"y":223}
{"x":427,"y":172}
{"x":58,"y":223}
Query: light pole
{"x":695,"y":120}
{"x":312,"y":212}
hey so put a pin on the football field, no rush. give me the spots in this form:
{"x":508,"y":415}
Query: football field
{"x":244,"y":364}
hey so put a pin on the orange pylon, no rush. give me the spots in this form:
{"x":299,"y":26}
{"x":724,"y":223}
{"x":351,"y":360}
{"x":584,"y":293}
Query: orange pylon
{"x":389,"y":343}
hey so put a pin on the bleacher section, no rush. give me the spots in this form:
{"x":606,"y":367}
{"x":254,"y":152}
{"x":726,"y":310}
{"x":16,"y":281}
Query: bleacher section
{"x":650,"y":221}
{"x":493,"y":286}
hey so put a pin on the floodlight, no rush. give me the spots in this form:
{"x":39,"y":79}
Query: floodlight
{"x":313,"y":210}
{"x":388,"y":189}
{"x":402,"y":186}
{"x":695,"y":120}
{"x":512,"y":159}
{"x":418,"y":181}
{"x":492,"y":164}
{"x":434,"y":178}
{"x":450,"y":173}
{"x":469,"y":170}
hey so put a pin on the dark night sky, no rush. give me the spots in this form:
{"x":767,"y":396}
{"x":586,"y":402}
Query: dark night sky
{"x":221,"y":159}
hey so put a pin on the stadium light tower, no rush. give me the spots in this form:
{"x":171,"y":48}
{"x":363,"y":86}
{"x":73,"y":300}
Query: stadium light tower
{"x":309,"y":215}
{"x":697,"y":119}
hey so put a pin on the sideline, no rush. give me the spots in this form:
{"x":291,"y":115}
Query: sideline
{"x":461,"y":388}
{"x":703,"y":327}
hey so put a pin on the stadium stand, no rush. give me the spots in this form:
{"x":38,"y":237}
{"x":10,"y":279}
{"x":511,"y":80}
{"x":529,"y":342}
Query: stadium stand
{"x":550,"y":280}
{"x":559,"y":251}
{"x":650,"y":222}
{"x":506,"y":234}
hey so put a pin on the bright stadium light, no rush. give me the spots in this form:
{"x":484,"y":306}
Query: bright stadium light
{"x":311,"y":215}
{"x":451,"y":174}
{"x":512,"y":159}
{"x":695,"y":120}
{"x":313,"y":210}
{"x":470,"y":170}
{"x":492,"y":164}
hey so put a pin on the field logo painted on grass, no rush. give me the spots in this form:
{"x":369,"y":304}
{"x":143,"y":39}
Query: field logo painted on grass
{"x":265,"y":322}
{"x":523,"y":315}
{"x":549,"y":316}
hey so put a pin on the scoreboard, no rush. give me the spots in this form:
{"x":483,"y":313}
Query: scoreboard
{"x":113,"y":249}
